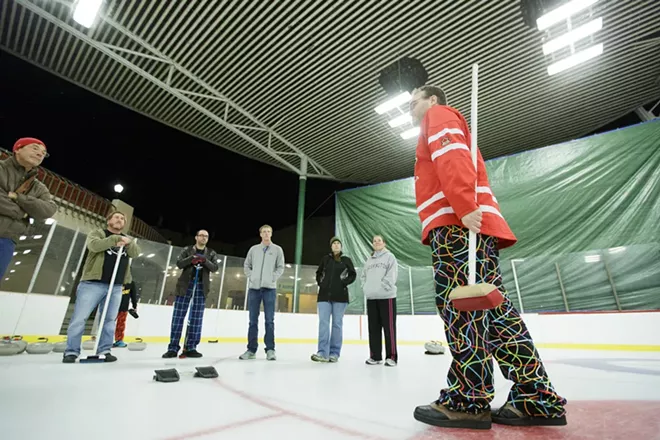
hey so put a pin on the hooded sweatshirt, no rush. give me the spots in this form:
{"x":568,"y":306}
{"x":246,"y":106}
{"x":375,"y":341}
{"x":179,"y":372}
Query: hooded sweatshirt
{"x":379,"y":274}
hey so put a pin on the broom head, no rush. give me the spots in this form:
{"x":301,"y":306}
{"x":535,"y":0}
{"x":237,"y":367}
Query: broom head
{"x":476,"y":297}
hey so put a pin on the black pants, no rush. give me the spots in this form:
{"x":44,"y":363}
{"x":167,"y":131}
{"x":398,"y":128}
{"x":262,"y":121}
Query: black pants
{"x":381,"y":314}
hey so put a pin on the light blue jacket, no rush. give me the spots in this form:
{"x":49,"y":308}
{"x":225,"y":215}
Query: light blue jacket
{"x":264,"y":265}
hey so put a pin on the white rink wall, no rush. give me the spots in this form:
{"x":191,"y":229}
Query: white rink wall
{"x":37,"y":315}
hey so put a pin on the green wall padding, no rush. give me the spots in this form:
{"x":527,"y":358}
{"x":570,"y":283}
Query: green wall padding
{"x":578,"y":204}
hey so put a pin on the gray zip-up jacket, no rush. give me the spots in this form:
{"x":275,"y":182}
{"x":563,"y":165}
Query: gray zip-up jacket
{"x":264,"y":265}
{"x":379,"y":274}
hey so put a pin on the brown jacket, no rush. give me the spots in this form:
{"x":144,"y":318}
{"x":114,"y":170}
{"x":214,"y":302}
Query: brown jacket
{"x":35,"y":201}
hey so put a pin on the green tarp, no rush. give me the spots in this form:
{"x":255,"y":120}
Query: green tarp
{"x":586,"y":214}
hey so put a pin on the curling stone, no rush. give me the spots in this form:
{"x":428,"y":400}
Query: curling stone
{"x":7,"y":348}
{"x":89,"y":344}
{"x":18,"y":340}
{"x":44,"y":347}
{"x":434,"y":347}
{"x":60,"y":347}
{"x":138,"y":345}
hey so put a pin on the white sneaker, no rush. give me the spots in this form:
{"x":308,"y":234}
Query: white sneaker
{"x":247,"y":355}
{"x":372,"y":362}
{"x":390,"y":363}
{"x":270,"y":355}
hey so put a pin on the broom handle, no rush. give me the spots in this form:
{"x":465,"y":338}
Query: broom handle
{"x":107,"y":299}
{"x":472,"y":239}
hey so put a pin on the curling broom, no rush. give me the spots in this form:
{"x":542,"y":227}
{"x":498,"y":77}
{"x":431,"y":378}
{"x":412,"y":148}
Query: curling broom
{"x":95,"y":357}
{"x":475,"y":296}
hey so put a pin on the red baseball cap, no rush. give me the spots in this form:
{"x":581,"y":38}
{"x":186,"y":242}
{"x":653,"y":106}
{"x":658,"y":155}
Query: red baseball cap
{"x":26,"y":141}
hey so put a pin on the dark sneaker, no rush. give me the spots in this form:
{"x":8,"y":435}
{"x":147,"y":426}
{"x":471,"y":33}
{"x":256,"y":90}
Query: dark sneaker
{"x":191,"y":354}
{"x":69,"y":359}
{"x":170,"y":354}
{"x":439,"y":415}
{"x":110,"y":358}
{"x":509,"y":415}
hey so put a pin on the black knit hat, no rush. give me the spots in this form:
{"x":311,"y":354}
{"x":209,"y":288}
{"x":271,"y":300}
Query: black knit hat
{"x":333,"y":239}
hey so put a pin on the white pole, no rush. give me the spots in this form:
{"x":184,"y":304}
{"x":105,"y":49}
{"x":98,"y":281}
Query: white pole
{"x":41,"y":258}
{"x":295,"y":288}
{"x":167,"y":267}
{"x":247,"y":287}
{"x":412,"y":301}
{"x":515,"y":280}
{"x":472,"y":237}
{"x":222,"y":279}
{"x":107,"y":298}
{"x":66,"y":262}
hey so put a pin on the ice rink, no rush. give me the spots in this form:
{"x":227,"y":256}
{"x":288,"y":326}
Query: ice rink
{"x":611,"y":395}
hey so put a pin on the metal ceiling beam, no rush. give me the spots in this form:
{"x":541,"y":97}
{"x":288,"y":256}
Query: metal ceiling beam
{"x":113,"y":52}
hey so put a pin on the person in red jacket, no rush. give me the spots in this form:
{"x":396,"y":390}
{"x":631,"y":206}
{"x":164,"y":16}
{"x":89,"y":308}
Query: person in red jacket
{"x":453,"y":198}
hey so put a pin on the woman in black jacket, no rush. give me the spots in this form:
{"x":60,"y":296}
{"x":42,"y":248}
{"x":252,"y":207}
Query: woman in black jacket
{"x":333,"y":276}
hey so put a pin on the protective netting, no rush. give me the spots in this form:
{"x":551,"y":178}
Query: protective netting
{"x":586,"y":213}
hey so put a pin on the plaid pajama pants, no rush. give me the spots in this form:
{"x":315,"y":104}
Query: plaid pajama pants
{"x":181,"y":303}
{"x":474,"y":338}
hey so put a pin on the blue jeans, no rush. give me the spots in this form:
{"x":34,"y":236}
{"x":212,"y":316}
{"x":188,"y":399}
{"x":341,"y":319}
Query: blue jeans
{"x":330,"y":341}
{"x":89,"y":295}
{"x":255,"y":297}
{"x":7,"y":247}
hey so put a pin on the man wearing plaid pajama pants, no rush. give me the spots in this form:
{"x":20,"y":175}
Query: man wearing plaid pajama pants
{"x":196,"y":262}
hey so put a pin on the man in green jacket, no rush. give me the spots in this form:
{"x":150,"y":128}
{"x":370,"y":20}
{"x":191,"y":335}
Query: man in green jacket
{"x":22,"y":195}
{"x":103,"y":248}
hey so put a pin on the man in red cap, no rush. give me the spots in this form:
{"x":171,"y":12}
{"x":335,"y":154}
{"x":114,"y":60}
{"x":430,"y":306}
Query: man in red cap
{"x":453,"y":198}
{"x":22,"y":195}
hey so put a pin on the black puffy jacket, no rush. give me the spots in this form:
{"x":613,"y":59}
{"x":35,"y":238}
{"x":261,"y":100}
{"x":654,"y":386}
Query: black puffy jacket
{"x":333,"y":278}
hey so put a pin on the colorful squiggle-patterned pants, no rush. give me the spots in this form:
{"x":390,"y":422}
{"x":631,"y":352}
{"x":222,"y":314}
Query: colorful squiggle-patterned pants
{"x":475,"y":337}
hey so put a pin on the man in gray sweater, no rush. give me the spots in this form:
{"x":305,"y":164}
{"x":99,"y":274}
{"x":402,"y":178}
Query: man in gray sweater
{"x":263,"y":266}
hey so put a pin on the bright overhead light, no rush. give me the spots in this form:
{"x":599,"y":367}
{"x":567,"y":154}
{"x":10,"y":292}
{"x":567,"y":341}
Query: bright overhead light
{"x":562,"y":13}
{"x":85,"y":12}
{"x":393,"y":103}
{"x":15,"y":253}
{"x":592,"y":258}
{"x":616,"y":250}
{"x":17,"y":263}
{"x":22,"y":237}
{"x":118,"y":188}
{"x":151,"y":255}
{"x":571,"y":37}
{"x":37,"y":237}
{"x":12,"y":271}
{"x":50,"y":221}
{"x":27,"y":251}
{"x":575,"y":59}
{"x":31,"y":221}
{"x":413,"y":132}
{"x":400,"y":120}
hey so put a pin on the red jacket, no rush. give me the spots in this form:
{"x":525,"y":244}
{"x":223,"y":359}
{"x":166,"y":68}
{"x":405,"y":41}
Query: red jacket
{"x":445,"y":178}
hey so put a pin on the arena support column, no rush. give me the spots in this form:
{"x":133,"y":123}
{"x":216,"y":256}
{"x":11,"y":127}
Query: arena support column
{"x":299,"y":231}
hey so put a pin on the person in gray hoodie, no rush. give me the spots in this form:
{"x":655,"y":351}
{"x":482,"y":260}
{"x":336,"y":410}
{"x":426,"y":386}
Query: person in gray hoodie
{"x":378,"y":279}
{"x":263,"y":266}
